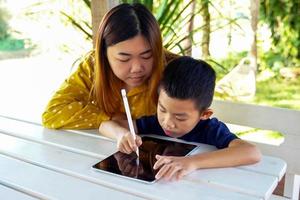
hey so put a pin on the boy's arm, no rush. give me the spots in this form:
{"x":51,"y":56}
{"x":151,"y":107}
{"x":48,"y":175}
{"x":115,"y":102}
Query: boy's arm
{"x":238,"y":152}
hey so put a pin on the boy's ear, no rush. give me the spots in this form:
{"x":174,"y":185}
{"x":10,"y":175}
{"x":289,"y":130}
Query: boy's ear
{"x":206,"y":114}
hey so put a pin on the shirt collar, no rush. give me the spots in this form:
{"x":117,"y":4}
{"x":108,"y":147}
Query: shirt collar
{"x":137,"y":90}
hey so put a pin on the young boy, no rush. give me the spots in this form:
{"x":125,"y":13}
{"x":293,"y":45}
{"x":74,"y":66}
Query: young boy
{"x":185,"y":95}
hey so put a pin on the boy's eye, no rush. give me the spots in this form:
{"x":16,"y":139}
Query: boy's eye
{"x":162,"y":110}
{"x":180,"y":119}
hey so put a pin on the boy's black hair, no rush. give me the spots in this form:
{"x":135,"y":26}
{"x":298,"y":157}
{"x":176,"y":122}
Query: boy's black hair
{"x":187,"y":78}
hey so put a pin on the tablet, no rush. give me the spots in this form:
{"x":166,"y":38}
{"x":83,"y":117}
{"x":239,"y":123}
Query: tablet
{"x":127,"y":165}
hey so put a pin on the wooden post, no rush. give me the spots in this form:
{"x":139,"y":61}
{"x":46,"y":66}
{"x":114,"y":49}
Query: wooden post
{"x":99,"y":8}
{"x":254,"y":10}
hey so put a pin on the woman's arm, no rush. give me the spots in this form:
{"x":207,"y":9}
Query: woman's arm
{"x":113,"y":129}
{"x":71,"y":106}
{"x":118,"y":130}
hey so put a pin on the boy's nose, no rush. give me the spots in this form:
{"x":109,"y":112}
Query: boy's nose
{"x":168,"y":123}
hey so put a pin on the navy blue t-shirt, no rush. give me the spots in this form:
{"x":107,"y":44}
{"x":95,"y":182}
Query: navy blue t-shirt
{"x":210,"y":131}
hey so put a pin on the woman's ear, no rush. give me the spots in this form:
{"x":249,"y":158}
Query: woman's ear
{"x":206,"y":114}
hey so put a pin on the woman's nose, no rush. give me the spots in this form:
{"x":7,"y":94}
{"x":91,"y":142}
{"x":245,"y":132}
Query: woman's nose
{"x":136,"y":66}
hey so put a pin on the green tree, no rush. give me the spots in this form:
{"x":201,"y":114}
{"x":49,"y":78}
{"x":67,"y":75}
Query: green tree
{"x":4,"y":27}
{"x":283,"y":20}
{"x":206,"y":28}
{"x":172,"y":15}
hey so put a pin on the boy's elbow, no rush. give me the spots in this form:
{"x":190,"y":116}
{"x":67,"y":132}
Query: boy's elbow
{"x":249,"y":152}
{"x":254,"y":154}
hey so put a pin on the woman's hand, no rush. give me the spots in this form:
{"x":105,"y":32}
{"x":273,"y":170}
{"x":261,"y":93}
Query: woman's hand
{"x":173,"y":167}
{"x":128,"y":164}
{"x":118,"y":129}
{"x":127,"y":144}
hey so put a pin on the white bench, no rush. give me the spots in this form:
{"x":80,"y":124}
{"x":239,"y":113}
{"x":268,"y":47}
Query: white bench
{"x":68,"y":156}
{"x":277,"y":119}
{"x":10,"y":193}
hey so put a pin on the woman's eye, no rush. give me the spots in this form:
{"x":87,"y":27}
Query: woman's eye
{"x":123,"y":60}
{"x":147,"y":56}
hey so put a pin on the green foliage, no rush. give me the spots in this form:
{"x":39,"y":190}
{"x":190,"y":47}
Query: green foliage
{"x":274,"y":91}
{"x":4,"y":27}
{"x":224,"y":66}
{"x":172,"y":19}
{"x":273,"y":60}
{"x":278,"y":95}
{"x":259,"y":135}
{"x":267,"y":133}
{"x":283,"y":20}
{"x":11,"y":44}
{"x":79,"y":22}
{"x":147,"y":3}
{"x":7,"y":41}
{"x":171,"y":16}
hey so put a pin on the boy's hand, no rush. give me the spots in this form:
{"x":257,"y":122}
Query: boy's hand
{"x":126,"y":143}
{"x":173,"y":167}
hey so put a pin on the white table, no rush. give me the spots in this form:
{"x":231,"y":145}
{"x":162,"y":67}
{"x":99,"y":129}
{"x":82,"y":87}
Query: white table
{"x":38,"y":163}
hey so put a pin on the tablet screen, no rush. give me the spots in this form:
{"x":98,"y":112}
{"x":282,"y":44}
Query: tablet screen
{"x":127,"y":165}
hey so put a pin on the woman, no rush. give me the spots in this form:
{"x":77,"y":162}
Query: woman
{"x":129,"y":54}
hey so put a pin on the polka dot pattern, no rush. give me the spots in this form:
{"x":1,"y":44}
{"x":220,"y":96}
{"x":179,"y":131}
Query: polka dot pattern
{"x":71,"y":107}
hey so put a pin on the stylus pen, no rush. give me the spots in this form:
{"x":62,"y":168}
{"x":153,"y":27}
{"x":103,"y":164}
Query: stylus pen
{"x":129,"y":119}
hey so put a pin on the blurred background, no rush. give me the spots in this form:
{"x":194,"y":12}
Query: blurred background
{"x":254,"y":46}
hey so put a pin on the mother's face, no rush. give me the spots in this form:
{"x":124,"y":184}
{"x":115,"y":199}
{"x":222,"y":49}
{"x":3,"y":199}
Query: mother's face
{"x":131,"y":61}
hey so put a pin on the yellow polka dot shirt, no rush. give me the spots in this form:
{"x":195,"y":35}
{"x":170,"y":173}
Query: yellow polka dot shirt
{"x":71,"y":107}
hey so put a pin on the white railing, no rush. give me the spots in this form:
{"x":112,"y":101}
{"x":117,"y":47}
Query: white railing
{"x":277,"y":119}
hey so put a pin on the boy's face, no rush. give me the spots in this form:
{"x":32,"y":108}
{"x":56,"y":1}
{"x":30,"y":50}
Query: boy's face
{"x":177,"y":117}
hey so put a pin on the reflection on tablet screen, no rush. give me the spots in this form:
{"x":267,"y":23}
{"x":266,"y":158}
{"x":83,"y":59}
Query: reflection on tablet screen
{"x":142,"y":169}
